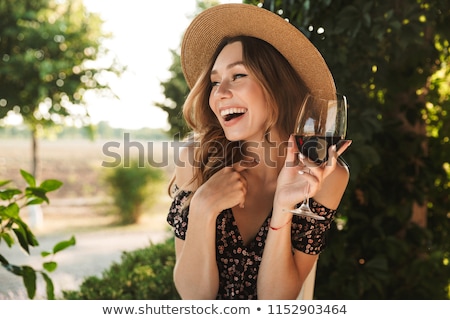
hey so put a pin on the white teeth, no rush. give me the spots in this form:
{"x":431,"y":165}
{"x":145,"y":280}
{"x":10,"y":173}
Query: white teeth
{"x":226,"y":112}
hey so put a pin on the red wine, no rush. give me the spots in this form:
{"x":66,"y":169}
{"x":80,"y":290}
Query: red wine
{"x":316,"y":147}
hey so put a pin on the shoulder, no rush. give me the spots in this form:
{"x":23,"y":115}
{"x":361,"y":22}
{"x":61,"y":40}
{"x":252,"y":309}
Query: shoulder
{"x":342,"y":173}
{"x":340,"y":176}
{"x":185,"y":168}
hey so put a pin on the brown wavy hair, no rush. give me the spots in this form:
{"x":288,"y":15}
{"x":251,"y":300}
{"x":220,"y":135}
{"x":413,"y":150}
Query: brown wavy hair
{"x":283,"y":90}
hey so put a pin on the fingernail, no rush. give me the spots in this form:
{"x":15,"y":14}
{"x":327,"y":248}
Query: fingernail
{"x":300,"y":172}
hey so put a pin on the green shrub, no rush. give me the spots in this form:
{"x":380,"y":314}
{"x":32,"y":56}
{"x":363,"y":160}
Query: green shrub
{"x":143,"y":274}
{"x":132,"y":188}
{"x":14,"y":230}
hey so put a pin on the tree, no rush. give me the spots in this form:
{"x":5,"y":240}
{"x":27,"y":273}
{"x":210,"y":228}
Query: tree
{"x":175,"y":91}
{"x":392,"y":61}
{"x":48,"y":52}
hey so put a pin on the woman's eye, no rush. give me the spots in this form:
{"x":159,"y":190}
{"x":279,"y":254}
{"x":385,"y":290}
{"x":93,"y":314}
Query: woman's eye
{"x":238,"y":76}
{"x":233,"y":78}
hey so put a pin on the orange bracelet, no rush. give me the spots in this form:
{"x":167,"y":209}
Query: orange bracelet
{"x":273,"y":228}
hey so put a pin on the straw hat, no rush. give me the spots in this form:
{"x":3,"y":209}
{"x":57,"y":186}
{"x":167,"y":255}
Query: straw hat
{"x":208,"y":29}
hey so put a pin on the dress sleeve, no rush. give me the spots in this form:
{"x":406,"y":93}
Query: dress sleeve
{"x":309,"y":235}
{"x":178,"y":214}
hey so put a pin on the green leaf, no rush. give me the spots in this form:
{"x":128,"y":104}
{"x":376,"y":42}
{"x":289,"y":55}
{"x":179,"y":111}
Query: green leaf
{"x":8,"y":239}
{"x":4,"y":182}
{"x":377,"y":264}
{"x":3,"y":260}
{"x":20,"y":235}
{"x":29,"y":280}
{"x":51,"y":185}
{"x":49,"y":285}
{"x":50,"y":266}
{"x":11,"y":268}
{"x":37,"y":192}
{"x":30,"y":236}
{"x":34,"y":201}
{"x":8,"y":194}
{"x":367,"y":19}
{"x":11,"y":211}
{"x":31,"y":181}
{"x":25,"y":230}
{"x":64,"y":244}
{"x":45,"y":254}
{"x":347,"y":18}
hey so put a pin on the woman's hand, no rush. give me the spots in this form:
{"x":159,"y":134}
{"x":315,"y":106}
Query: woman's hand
{"x":297,"y":175}
{"x":225,"y":189}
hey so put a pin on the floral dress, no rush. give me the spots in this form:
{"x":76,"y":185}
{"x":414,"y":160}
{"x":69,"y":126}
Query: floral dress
{"x":238,"y":263}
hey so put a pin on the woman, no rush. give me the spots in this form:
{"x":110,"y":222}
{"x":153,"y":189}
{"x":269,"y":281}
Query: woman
{"x":237,"y":179}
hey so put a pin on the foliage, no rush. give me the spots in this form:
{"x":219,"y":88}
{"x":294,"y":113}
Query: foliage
{"x":392,"y":61}
{"x":175,"y":89}
{"x":143,"y":274}
{"x":48,"y":53}
{"x":13,"y":228}
{"x":132,"y":185}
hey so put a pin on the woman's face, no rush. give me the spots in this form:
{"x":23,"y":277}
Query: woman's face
{"x":236,"y":97}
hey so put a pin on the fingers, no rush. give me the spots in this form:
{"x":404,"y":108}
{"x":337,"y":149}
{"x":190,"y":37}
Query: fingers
{"x":244,"y":190}
{"x":291,"y":153}
{"x":245,"y":163}
{"x":342,"y":145}
{"x":241,"y":166}
{"x":235,"y":182}
{"x":336,"y":150}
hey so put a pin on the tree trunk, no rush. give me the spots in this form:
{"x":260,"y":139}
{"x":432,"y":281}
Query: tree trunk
{"x":34,"y":149}
{"x":35,"y":211}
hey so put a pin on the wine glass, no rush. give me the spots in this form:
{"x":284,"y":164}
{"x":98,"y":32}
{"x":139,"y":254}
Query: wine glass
{"x":321,"y":123}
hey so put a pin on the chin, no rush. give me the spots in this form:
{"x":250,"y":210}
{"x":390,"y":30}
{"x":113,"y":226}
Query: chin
{"x":233,"y":137}
{"x":242,"y":137}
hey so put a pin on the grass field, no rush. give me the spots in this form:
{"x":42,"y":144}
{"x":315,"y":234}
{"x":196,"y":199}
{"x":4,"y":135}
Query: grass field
{"x":83,"y":199}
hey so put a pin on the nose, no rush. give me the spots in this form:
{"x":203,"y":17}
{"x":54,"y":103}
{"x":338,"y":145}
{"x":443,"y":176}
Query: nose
{"x":222,"y":90}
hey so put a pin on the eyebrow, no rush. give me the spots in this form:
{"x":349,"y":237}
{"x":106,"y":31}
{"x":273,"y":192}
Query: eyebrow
{"x":231,"y":65}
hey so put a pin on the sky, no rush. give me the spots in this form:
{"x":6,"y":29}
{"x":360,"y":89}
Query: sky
{"x":143,"y":34}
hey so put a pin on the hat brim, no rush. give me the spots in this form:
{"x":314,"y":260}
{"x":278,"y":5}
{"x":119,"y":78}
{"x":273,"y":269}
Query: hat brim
{"x":208,"y":29}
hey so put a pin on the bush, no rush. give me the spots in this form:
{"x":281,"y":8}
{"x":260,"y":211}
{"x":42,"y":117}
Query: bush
{"x":132,"y":187}
{"x":143,"y":274}
{"x":13,"y":229}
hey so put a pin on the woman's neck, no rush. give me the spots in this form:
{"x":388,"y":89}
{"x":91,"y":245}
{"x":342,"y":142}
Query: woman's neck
{"x":266,"y":157}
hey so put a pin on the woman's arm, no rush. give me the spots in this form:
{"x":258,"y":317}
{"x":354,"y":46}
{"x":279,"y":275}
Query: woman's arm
{"x":196,"y":273}
{"x":284,"y":269}
{"x":282,"y":272}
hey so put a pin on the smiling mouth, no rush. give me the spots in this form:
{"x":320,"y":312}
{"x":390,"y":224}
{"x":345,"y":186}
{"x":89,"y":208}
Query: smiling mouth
{"x":232,"y":113}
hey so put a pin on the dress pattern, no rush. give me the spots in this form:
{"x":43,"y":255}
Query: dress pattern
{"x":238,"y":263}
